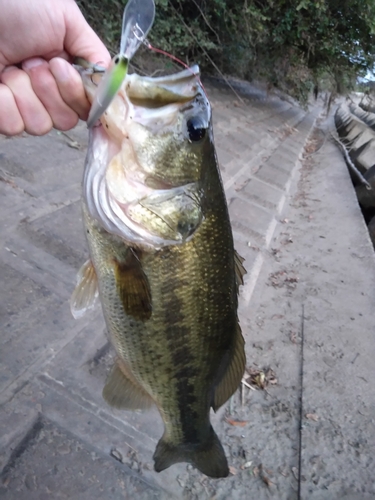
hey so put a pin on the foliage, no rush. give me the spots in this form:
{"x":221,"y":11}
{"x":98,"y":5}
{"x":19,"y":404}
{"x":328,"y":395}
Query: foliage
{"x":292,"y":44}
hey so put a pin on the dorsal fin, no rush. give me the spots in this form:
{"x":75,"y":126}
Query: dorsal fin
{"x":133,"y":287}
{"x":86,"y":291}
{"x":232,"y":377}
{"x":240,"y":270}
{"x":123,"y":391}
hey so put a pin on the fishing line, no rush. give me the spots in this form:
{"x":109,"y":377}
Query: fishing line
{"x":171,"y":56}
{"x":137,"y":20}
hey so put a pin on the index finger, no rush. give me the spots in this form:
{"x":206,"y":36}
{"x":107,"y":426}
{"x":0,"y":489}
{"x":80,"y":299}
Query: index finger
{"x":70,"y":86}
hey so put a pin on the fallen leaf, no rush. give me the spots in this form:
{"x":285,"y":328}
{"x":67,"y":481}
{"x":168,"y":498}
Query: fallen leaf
{"x":284,"y":472}
{"x":277,"y":316}
{"x":238,"y":423}
{"x":261,"y":378}
{"x":246,"y":465}
{"x":312,"y":416}
{"x":271,"y":377}
{"x":116,"y":455}
{"x":264,"y":478}
{"x":267,"y":481}
{"x":295,"y":472}
{"x":293,"y":338}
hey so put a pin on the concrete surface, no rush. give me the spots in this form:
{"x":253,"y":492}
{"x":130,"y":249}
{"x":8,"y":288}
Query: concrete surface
{"x":306,"y":248}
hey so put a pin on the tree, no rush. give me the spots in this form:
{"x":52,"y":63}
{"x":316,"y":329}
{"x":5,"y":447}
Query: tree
{"x":293,"y":44}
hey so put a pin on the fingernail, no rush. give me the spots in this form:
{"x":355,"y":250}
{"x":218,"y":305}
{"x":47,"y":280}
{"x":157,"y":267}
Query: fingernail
{"x":33,"y":63}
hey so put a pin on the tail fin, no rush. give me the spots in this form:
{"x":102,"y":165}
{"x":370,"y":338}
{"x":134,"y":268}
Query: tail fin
{"x":208,"y":457}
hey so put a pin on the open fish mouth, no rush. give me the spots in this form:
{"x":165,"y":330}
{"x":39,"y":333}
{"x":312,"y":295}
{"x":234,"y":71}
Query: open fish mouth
{"x":143,"y":90}
{"x":142,"y":179}
{"x":161,"y":91}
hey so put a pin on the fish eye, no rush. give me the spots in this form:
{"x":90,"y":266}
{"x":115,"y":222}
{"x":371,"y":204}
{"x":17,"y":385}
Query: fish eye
{"x":196,"y":129}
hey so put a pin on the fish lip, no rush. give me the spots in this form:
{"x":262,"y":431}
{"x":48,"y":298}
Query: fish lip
{"x":155,"y":92}
{"x":146,"y":91}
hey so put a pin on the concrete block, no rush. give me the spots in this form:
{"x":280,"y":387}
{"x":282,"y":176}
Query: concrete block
{"x":262,"y":194}
{"x":250,"y":220}
{"x":367,"y":158}
{"x":354,"y":130}
{"x":273,"y":175}
{"x":366,"y":136}
{"x":283,"y":160}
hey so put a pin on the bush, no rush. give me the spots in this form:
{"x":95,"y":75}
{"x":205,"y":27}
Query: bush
{"x":291,"y":44}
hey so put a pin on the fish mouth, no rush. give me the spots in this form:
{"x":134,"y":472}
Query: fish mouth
{"x":123,"y":189}
{"x":156,"y":92}
{"x":145,"y":91}
{"x":150,"y":101}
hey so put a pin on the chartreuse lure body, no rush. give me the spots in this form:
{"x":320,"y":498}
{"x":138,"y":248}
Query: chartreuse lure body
{"x":137,"y":20}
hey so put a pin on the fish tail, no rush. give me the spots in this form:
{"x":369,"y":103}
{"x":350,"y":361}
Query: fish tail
{"x":208,"y":457}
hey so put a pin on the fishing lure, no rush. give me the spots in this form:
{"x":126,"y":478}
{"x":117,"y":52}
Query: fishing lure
{"x":136,"y":23}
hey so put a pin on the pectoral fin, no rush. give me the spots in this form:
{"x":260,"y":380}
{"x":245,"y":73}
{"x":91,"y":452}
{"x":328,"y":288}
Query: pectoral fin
{"x":123,"y":391}
{"x":232,"y":377}
{"x":133,"y":287}
{"x":86,"y":291}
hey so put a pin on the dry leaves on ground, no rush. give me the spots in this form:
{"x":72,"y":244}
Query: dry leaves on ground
{"x":283,"y":278}
{"x":312,"y":416}
{"x":259,"y":378}
{"x":263,"y":474}
{"x":238,"y":423}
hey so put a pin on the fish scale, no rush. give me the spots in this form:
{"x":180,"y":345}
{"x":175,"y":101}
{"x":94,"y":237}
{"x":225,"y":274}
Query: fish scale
{"x":170,"y":309}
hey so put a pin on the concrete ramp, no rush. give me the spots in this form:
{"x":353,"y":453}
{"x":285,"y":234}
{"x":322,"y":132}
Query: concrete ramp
{"x":58,"y":438}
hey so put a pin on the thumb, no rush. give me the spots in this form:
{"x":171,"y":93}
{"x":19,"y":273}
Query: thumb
{"x":80,"y":39}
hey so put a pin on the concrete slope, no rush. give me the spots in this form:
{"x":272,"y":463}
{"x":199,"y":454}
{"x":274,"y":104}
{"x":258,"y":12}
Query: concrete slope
{"x":58,"y":439}
{"x":311,"y":322}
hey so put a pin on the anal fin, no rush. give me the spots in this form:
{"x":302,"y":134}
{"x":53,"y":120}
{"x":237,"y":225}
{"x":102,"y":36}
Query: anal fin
{"x":232,"y":377}
{"x":240,"y":270}
{"x":86,"y":291}
{"x":122,"y":390}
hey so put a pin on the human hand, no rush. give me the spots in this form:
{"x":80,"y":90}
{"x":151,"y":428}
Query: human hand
{"x":39,"y":89}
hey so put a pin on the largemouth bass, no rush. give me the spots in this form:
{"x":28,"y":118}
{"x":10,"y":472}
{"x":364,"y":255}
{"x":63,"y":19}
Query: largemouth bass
{"x":163,"y":262}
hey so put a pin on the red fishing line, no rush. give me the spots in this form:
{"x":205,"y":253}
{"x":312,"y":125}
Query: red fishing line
{"x":174,"y":58}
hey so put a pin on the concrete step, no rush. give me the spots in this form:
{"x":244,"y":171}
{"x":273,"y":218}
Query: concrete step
{"x":53,"y":368}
